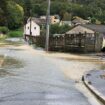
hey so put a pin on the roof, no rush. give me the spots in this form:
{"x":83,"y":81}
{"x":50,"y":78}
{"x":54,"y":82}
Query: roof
{"x":89,"y":28}
{"x":80,"y":29}
{"x":96,"y":28}
{"x":37,"y":20}
{"x":79,"y":20}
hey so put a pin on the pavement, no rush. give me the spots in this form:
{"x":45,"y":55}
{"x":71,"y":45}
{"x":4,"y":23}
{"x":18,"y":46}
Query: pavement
{"x":95,"y":82}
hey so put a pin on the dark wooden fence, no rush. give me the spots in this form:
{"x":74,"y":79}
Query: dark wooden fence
{"x":73,"y":42}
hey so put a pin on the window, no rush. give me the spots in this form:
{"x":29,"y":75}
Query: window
{"x":55,"y":17}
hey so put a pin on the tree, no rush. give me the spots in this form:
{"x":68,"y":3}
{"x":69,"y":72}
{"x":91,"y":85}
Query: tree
{"x":27,"y":9}
{"x":67,"y":16}
{"x":15,"y":15}
{"x":56,"y":29}
{"x":2,"y":18}
{"x":3,"y":12}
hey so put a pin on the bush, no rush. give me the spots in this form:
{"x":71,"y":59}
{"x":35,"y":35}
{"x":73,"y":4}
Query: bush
{"x":16,"y":33}
{"x":4,"y":30}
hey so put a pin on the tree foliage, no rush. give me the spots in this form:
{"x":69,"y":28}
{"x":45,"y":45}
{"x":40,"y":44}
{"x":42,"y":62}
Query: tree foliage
{"x":57,"y":29}
{"x":16,"y":14}
{"x":12,"y":11}
{"x":11,"y":14}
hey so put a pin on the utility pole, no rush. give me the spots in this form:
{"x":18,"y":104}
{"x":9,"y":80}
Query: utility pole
{"x":30,"y":28}
{"x":30,"y":23}
{"x":48,"y":26}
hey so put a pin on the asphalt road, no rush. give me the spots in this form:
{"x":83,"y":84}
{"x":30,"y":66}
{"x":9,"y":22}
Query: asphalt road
{"x":39,"y":81}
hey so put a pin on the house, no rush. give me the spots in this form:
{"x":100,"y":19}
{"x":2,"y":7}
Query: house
{"x":78,"y":21}
{"x":87,"y":38}
{"x":54,"y":19}
{"x":31,"y":29}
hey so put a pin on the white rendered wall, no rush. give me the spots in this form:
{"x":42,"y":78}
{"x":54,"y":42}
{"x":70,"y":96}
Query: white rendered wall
{"x":35,"y":29}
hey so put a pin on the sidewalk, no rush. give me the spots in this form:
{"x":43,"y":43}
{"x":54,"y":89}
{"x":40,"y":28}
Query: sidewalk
{"x":95,"y":82}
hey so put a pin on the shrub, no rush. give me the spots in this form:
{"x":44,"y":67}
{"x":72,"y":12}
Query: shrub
{"x":4,"y":30}
{"x":16,"y":33}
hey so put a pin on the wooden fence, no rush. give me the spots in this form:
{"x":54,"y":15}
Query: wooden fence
{"x":75,"y":43}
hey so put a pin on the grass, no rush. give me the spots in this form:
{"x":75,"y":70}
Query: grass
{"x":4,"y":42}
{"x":11,"y":34}
{"x":2,"y":38}
{"x":15,"y":33}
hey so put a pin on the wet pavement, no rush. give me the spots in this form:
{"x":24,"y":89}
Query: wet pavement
{"x":38,"y":81}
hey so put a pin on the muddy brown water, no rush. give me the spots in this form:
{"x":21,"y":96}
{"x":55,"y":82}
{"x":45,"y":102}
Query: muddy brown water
{"x":4,"y":72}
{"x":97,"y":62}
{"x":6,"y":43}
{"x":7,"y":63}
{"x":11,"y":62}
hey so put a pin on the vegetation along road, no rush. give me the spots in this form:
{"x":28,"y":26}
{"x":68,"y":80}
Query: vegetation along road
{"x":33,"y":77}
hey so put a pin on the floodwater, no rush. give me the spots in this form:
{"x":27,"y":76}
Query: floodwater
{"x":4,"y":72}
{"x":95,"y":76}
{"x":31,"y":77}
{"x":10,"y":42}
{"x":9,"y":62}
{"x":75,"y":68}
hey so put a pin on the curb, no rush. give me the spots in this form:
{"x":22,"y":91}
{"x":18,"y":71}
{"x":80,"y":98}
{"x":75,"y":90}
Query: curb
{"x":95,"y":92}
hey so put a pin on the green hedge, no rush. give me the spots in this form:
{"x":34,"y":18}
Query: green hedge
{"x":4,"y":30}
{"x":16,"y":33}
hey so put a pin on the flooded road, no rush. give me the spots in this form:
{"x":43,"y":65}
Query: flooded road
{"x":31,"y":77}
